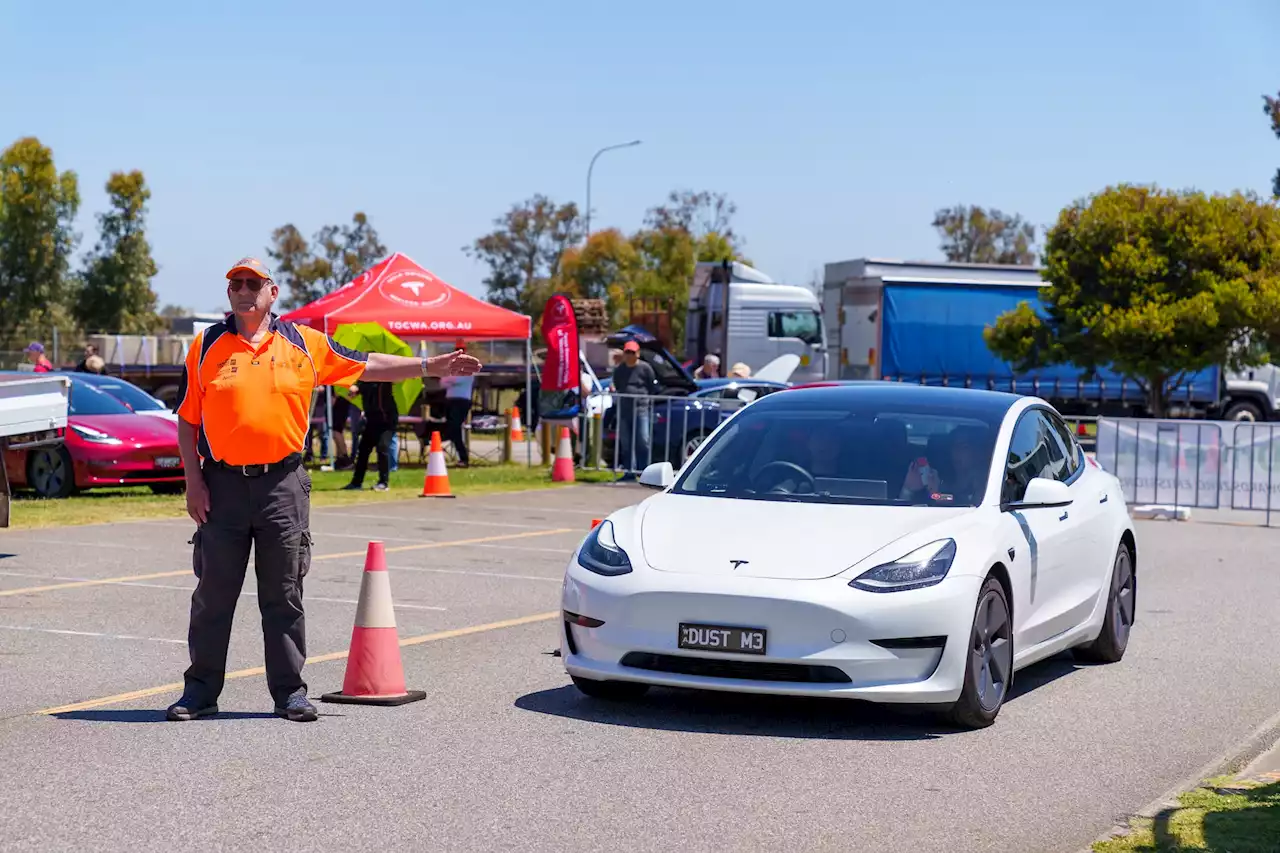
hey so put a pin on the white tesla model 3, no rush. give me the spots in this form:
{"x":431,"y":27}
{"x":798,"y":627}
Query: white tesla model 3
{"x":884,"y":542}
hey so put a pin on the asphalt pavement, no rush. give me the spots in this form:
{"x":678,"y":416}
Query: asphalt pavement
{"x":504,"y":754}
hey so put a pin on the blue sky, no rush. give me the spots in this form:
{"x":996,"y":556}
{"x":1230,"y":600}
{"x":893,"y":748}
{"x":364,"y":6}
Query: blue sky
{"x":837,"y":127}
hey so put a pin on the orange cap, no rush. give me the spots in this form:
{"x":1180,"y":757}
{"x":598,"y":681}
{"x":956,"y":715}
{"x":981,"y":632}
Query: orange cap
{"x":250,"y":265}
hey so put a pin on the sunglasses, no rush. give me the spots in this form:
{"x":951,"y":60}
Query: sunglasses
{"x":254,"y":284}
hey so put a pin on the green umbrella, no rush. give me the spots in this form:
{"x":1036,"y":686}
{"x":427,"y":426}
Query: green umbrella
{"x":370,"y":337}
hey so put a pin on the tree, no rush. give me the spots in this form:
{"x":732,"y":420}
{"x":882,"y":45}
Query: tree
{"x":1155,"y":285}
{"x":336,"y":255}
{"x":1271,"y":106}
{"x":116,"y":294}
{"x":173,"y":312}
{"x":524,"y":252}
{"x":37,"y":208}
{"x":705,"y":216}
{"x":977,"y":236}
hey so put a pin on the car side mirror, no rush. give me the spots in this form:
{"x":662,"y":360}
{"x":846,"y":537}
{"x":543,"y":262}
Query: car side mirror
{"x":659,"y":475}
{"x":1043,"y":493}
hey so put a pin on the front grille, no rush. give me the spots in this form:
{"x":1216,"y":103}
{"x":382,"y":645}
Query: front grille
{"x":739,"y":669}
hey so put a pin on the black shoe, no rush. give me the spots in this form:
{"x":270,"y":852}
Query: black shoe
{"x":297,"y":709}
{"x":352,"y":487}
{"x":189,"y":708}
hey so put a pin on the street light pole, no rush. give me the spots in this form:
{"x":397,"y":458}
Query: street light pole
{"x":633,"y":142}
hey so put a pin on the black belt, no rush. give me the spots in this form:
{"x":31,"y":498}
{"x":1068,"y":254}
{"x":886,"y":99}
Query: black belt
{"x":293,"y":460}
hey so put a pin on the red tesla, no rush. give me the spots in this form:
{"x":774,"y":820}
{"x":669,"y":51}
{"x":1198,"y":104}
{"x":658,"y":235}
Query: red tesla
{"x":105,"y":444}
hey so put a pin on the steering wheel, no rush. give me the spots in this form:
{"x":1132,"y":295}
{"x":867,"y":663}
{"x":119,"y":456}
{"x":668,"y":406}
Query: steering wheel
{"x":790,"y":467}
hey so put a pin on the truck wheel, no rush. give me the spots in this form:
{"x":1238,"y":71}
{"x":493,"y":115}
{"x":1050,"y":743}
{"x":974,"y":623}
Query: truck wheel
{"x":1243,"y":410}
{"x":50,"y":472}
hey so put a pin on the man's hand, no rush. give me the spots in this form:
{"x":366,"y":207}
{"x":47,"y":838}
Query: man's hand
{"x":197,"y":499}
{"x":456,"y":363}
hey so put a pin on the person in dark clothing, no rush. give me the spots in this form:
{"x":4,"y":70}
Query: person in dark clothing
{"x":381,"y":418}
{"x":633,"y":380}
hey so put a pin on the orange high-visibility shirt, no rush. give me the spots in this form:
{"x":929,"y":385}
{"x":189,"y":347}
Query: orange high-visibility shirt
{"x":252,"y":402}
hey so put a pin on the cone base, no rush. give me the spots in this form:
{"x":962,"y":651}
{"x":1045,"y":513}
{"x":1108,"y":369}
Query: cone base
{"x":427,"y":495}
{"x":402,"y":699}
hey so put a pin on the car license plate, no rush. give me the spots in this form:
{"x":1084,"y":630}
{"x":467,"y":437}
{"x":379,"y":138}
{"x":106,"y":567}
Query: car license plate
{"x":168,"y":461}
{"x":723,"y":638}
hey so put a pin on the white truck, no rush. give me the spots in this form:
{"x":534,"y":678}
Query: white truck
{"x":766,"y":320}
{"x":33,"y":413}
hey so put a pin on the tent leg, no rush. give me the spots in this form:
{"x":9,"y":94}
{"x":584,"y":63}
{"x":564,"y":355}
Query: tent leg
{"x":528,"y":397}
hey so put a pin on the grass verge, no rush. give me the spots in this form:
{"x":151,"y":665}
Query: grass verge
{"x":1222,"y":816}
{"x":105,"y":505}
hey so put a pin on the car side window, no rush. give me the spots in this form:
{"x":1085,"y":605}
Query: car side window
{"x":1034,"y":451}
{"x":1070,"y":449}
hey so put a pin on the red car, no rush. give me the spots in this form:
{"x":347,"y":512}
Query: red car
{"x":105,"y":444}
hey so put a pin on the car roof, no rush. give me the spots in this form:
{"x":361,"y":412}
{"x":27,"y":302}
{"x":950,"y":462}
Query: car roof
{"x":991,"y":405}
{"x":721,"y":381}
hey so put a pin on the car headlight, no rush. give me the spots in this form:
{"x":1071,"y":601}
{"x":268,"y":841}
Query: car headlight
{"x":923,"y":567}
{"x":600,"y":552}
{"x":93,"y":435}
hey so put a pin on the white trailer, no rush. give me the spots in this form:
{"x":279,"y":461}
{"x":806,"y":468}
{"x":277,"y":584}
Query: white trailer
{"x":33,"y":413}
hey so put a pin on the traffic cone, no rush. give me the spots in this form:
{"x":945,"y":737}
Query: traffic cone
{"x":562,"y":468}
{"x":375,"y":675}
{"x":517,"y":431}
{"x":595,"y":522}
{"x":436,"y":483}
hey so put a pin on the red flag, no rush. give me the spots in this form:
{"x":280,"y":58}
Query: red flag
{"x":561,"y":371}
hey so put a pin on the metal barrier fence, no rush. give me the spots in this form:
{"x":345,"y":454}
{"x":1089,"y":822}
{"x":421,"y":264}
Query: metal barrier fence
{"x":625,"y":433}
{"x":1184,"y":464}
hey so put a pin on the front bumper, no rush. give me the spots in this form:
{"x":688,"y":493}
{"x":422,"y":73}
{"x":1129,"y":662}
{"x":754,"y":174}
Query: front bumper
{"x":824,"y":637}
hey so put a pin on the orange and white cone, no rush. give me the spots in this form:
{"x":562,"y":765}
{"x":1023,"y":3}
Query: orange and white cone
{"x":375,"y":674}
{"x":436,"y":483}
{"x":517,"y":431}
{"x":562,"y":468}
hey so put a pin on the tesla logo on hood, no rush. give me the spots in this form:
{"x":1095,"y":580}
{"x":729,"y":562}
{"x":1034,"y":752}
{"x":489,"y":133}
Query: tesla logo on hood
{"x":736,"y":563}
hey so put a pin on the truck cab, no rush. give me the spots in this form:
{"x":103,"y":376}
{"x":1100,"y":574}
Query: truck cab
{"x":766,"y":320}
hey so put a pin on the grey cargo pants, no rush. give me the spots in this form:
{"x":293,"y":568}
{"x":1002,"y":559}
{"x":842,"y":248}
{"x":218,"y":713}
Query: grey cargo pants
{"x":273,"y":513}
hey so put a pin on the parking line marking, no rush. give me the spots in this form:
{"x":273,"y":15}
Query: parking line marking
{"x":261,"y":670}
{"x":443,"y":521}
{"x":90,"y":634}
{"x":29,"y":590}
{"x":481,"y":574}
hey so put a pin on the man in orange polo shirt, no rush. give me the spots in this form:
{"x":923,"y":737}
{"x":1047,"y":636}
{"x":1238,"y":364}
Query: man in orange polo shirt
{"x":244,"y":403}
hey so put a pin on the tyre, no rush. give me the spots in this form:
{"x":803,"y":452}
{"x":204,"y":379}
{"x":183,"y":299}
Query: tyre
{"x":1242,"y":410}
{"x":988,"y":672}
{"x":615,"y":690}
{"x":692,"y":442}
{"x":1122,"y":600}
{"x":168,"y":488}
{"x":50,"y":472}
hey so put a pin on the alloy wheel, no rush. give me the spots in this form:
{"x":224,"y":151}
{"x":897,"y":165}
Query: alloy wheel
{"x":991,"y":650}
{"x":1123,"y":597}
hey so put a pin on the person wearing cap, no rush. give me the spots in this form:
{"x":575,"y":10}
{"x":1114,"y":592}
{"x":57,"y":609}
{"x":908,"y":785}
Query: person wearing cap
{"x":35,"y":355}
{"x":243,"y":405}
{"x":633,"y":381}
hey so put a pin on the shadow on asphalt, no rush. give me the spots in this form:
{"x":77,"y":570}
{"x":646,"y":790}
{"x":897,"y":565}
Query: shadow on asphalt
{"x":155,"y":716}
{"x":714,"y":712}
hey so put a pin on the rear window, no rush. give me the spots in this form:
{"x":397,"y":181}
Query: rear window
{"x":87,"y":400}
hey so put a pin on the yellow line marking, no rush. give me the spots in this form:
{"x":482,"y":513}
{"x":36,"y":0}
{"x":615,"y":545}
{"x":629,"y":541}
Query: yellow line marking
{"x":75,"y":584}
{"x":27,"y":590}
{"x":259,"y":670}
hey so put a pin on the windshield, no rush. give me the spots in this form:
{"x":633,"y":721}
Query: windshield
{"x":87,"y":400}
{"x":130,"y":395}
{"x":923,"y":456}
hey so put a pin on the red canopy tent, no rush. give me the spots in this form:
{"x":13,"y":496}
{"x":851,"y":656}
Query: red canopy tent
{"x":411,"y":302}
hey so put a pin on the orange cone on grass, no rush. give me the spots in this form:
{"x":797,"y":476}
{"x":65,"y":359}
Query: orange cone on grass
{"x":375,"y":674}
{"x":517,"y":431}
{"x":562,"y":468}
{"x":436,"y":483}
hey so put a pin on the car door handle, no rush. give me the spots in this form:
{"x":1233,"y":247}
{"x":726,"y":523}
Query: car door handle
{"x":1063,"y":517}
{"x":1104,"y":499}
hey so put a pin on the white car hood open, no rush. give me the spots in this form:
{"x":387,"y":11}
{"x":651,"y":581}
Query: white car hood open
{"x":798,"y":541}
